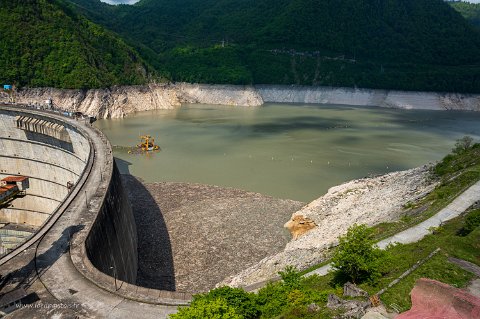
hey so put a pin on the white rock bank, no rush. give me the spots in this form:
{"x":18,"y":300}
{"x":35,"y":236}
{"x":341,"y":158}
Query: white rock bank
{"x":364,"y":201}
{"x":117,"y":102}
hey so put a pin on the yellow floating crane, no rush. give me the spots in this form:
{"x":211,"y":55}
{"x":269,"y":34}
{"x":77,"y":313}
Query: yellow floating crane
{"x":147,"y":144}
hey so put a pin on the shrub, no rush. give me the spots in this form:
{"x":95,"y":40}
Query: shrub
{"x":291,"y":277}
{"x":272,"y":299}
{"x":357,"y":258}
{"x":472,"y":221}
{"x":211,"y":309}
{"x":243,"y":302}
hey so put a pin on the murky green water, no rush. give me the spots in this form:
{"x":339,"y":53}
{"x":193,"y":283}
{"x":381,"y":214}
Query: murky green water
{"x":287,"y":151}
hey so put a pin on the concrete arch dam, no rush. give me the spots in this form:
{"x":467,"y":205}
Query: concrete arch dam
{"x":80,"y":250}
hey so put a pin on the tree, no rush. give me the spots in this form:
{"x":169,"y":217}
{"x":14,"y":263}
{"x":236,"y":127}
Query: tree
{"x":463,"y":144}
{"x":356,"y":257}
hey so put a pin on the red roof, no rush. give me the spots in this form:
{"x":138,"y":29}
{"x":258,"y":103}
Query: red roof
{"x":14,"y":179}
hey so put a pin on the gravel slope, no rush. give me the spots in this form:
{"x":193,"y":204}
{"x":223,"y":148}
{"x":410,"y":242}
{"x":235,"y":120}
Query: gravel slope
{"x":192,"y":236}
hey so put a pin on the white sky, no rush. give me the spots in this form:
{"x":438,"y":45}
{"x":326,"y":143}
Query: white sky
{"x":126,"y":1}
{"x":134,"y":1}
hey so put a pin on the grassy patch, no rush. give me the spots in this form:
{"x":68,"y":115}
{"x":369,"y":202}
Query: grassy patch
{"x":437,"y":268}
{"x":405,"y":256}
{"x":452,"y":244}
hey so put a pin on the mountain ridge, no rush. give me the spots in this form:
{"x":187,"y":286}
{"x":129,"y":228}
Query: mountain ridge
{"x":385,"y":44}
{"x":415,"y":45}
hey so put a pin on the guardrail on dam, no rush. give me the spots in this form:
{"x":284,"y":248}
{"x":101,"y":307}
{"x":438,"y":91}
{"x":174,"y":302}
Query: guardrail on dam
{"x":93,"y":219}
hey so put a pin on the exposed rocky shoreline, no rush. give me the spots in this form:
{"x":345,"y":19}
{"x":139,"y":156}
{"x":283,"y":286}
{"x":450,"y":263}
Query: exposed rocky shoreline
{"x":117,"y":102}
{"x":364,"y":201}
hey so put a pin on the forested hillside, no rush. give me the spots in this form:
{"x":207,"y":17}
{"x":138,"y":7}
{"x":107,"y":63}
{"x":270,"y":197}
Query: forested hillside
{"x":402,"y":44}
{"x":390,"y":44}
{"x":470,"y":11}
{"x":45,"y":43}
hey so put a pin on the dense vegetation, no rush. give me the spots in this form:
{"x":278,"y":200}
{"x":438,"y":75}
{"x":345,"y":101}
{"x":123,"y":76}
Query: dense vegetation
{"x":408,"y":44}
{"x":389,"y":44}
{"x":291,"y":297}
{"x":470,"y":11}
{"x":45,"y":43}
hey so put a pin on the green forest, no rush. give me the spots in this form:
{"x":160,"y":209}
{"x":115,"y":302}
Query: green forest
{"x":389,"y":44}
{"x":44,"y":43}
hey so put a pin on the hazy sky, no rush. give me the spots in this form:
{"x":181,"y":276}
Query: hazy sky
{"x":126,"y":1}
{"x":134,"y":1}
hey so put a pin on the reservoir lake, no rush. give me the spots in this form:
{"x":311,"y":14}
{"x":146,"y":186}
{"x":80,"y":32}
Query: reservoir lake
{"x":286,"y":151}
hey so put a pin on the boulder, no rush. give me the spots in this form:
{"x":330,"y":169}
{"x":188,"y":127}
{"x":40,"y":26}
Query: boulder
{"x":351,"y":290}
{"x":352,"y":309}
{"x":299,"y":225}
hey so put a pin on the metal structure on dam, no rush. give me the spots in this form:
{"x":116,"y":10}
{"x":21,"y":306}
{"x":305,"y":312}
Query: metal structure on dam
{"x":81,"y":251}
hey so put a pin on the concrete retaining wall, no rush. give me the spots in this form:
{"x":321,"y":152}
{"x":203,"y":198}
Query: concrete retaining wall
{"x":111,"y":244}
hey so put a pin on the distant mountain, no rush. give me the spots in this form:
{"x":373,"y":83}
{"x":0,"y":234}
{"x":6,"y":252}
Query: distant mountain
{"x":399,"y":44}
{"x":47,"y":43}
{"x":470,"y":11}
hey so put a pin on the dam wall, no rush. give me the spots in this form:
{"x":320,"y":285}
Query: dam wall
{"x":49,"y":163}
{"x":86,"y":250}
{"x":111,"y":244}
{"x":117,"y":102}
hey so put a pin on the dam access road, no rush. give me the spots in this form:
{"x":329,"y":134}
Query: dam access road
{"x":54,"y":266}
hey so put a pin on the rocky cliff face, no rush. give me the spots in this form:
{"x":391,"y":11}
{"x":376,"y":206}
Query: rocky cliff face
{"x":117,"y":102}
{"x":364,"y":97}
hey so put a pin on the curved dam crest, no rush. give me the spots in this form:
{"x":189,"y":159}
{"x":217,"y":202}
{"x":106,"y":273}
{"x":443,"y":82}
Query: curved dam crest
{"x":50,"y":164}
{"x":117,"y":102}
{"x":86,"y":252}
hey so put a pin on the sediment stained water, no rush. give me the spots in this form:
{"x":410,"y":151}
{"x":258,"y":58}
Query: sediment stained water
{"x":286,"y":151}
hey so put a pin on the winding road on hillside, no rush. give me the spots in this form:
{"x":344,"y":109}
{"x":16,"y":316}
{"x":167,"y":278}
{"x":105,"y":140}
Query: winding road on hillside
{"x":417,"y":232}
